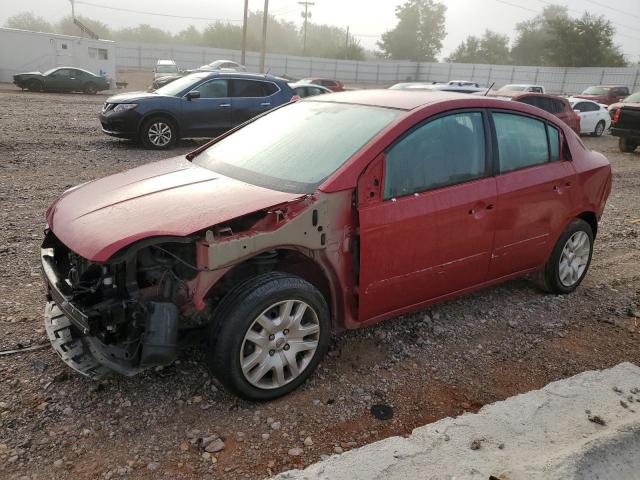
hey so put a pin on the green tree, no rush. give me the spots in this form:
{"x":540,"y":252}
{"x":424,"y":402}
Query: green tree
{"x":419,"y":33}
{"x":491,"y":48}
{"x":66,"y":26}
{"x":143,"y":33}
{"x":189,"y":36}
{"x":330,"y":42}
{"x":583,"y":42}
{"x":28,"y":21}
{"x":533,"y":36}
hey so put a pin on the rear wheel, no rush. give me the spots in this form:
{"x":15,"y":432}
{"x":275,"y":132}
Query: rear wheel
{"x":158,"y":133}
{"x":90,"y":88}
{"x":569,"y":260}
{"x":35,"y":86}
{"x":269,"y":335}
{"x":599,"y":129}
{"x":627,"y":145}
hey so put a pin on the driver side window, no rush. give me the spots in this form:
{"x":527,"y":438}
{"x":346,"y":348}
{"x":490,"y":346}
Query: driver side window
{"x":439,"y":153}
{"x":214,"y":89}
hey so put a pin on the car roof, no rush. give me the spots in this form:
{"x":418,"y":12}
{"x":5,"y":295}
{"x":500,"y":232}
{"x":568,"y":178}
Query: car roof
{"x":399,"y":99}
{"x":75,"y":68}
{"x":245,"y":75}
{"x":517,"y":95}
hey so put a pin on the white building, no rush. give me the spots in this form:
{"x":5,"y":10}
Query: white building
{"x":26,"y":51}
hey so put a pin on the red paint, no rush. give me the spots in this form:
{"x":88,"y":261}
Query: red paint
{"x":608,"y":98}
{"x":414,"y":251}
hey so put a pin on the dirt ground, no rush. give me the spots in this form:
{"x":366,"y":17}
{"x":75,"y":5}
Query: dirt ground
{"x":451,"y":358}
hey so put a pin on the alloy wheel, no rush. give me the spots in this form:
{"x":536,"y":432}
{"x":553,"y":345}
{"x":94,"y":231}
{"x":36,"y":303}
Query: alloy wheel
{"x":280,"y":344}
{"x":574,"y":258}
{"x":159,"y":134}
{"x":599,"y":129}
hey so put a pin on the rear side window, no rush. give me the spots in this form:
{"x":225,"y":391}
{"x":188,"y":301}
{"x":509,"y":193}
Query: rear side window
{"x":253,"y":88}
{"x":554,"y":143}
{"x":522,"y":141}
{"x":439,"y":153}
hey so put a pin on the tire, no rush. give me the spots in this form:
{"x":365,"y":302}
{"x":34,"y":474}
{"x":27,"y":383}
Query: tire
{"x":279,"y":367}
{"x":158,"y":133}
{"x":565,"y":269}
{"x":68,"y":344}
{"x":90,"y":88}
{"x":627,"y":145}
{"x":599,"y":129}
{"x":35,"y":86}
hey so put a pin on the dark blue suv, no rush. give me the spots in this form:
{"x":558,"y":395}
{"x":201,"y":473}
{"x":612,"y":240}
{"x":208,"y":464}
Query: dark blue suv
{"x":198,"y":105}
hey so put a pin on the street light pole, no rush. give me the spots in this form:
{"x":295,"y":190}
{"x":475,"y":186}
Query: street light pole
{"x":306,"y":16}
{"x":265,"y":18}
{"x":244,"y":32}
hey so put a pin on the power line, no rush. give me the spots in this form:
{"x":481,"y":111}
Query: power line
{"x":614,"y":9}
{"x":107,"y":7}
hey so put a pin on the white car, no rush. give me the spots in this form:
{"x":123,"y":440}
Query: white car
{"x":226,"y":65}
{"x":594,"y":117}
{"x":520,"y":87}
{"x":165,"y":68}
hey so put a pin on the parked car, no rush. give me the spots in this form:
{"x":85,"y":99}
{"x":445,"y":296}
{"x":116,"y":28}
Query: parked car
{"x":606,"y":94}
{"x":447,"y":87}
{"x":463,"y":83}
{"x":406,"y":85}
{"x":626,"y":126}
{"x":333,"y":85}
{"x":594,"y":117}
{"x":522,"y":87}
{"x":164,"y":68}
{"x":61,"y":79}
{"x":308,"y":90}
{"x":633,"y":99}
{"x":271,"y":236}
{"x":558,"y":106}
{"x":165,"y":80}
{"x":197,"y":105}
{"x":226,"y":65}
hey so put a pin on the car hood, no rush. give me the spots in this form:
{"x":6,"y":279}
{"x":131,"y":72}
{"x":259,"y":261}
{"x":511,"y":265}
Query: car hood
{"x":615,"y":106}
{"x":28,"y":73}
{"x":132,"y":96}
{"x":173,"y":197}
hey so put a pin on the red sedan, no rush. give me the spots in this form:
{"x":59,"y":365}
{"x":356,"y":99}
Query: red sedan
{"x":326,"y":214}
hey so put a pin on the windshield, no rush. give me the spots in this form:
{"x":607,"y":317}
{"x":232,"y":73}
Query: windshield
{"x":633,"y":98}
{"x":512,"y":88}
{"x":596,"y":91}
{"x":166,"y":69}
{"x":49,"y":72}
{"x":295,"y":148}
{"x":180,"y":84}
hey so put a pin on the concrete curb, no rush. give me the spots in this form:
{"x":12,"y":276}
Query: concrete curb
{"x":552,"y":433}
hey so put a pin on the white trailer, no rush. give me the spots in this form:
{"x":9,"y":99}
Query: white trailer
{"x":26,"y":51}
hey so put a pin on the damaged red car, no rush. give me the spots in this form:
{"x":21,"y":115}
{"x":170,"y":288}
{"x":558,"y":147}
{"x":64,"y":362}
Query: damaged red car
{"x":326,"y":214}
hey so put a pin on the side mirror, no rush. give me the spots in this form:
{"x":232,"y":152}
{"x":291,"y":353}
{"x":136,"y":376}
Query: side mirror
{"x":193,"y":94}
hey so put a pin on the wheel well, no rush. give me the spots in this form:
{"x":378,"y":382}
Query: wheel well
{"x":282,"y":260}
{"x":160,"y":115}
{"x":591,"y":219}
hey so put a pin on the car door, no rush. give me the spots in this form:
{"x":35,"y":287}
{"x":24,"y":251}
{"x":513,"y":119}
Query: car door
{"x":431,"y":231}
{"x":588,"y":116}
{"x":62,"y":79}
{"x":210,"y":114}
{"x":535,"y":185}
{"x":250,"y":98}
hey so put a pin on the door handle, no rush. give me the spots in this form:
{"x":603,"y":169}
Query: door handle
{"x":265,"y":104}
{"x":225,"y":105}
{"x":490,"y":206}
{"x":567,"y":185}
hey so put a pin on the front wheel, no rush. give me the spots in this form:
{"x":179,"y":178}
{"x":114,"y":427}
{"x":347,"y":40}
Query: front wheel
{"x":599,"y":129}
{"x":570,"y":259}
{"x":269,"y":335}
{"x":627,"y":145}
{"x":158,"y":133}
{"x":35,"y":86}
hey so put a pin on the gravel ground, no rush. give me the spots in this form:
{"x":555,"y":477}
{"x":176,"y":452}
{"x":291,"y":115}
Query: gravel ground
{"x":452,"y":358}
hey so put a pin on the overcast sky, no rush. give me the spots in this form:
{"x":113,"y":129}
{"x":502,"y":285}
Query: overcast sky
{"x":367,"y":19}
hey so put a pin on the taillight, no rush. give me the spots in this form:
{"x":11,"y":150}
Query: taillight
{"x":616,"y":116}
{"x":295,"y":98}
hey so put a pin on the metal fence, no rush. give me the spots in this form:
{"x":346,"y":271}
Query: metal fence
{"x":140,"y":56}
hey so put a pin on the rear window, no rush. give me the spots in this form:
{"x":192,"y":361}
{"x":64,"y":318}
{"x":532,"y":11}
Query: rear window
{"x":252,"y":88}
{"x":167,"y":69}
{"x":596,"y":91}
{"x":522,"y":141}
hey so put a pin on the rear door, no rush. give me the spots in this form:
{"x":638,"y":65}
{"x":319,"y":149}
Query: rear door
{"x":210,"y":114}
{"x":534,"y":187}
{"x":589,"y":116}
{"x":250,"y":98}
{"x":428,"y":231}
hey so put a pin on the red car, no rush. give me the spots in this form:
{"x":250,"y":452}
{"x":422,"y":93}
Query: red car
{"x":330,"y":213}
{"x":605,"y":94}
{"x":333,"y":85}
{"x":558,"y":106}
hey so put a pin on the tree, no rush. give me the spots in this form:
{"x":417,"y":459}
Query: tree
{"x":66,"y":26}
{"x":143,"y":33}
{"x":419,"y":33}
{"x":490,"y":48}
{"x":534,"y":35}
{"x":330,"y":42}
{"x":583,"y":42}
{"x":189,"y":36}
{"x":28,"y":21}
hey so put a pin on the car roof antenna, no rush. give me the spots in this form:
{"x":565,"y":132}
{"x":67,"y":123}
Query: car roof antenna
{"x":489,"y":89}
{"x":267,"y":72}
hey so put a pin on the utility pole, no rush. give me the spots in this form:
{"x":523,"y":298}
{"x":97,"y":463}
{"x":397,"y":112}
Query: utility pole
{"x":244,"y":32}
{"x":346,"y":45}
{"x":306,"y":15}
{"x":265,"y":18}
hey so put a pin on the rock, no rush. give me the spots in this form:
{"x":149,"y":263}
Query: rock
{"x":295,"y":452}
{"x":265,"y":436}
{"x":308,"y":442}
{"x":476,"y":445}
{"x":337,"y":449}
{"x":215,"y":446}
{"x":153,"y":466}
{"x":58,"y":464}
{"x":276,"y":426}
